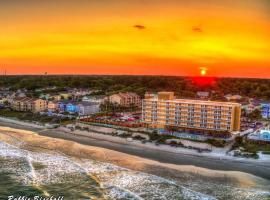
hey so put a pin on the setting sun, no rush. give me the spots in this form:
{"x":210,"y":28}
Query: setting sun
{"x":116,"y":37}
{"x":203,"y":71}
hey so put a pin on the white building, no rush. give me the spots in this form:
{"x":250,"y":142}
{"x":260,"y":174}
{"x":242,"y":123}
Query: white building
{"x":230,"y":97}
{"x":93,"y":99}
{"x":87,"y":108}
{"x":203,"y":95}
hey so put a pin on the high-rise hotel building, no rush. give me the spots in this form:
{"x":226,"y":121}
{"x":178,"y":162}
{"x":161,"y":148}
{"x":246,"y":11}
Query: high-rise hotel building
{"x":165,"y":110}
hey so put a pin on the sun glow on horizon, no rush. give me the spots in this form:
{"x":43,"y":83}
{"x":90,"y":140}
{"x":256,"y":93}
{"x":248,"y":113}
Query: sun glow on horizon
{"x":203,"y":71}
{"x":128,"y":37}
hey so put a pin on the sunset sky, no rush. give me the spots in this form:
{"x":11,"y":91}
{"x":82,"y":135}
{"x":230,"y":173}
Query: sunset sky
{"x":164,"y":37}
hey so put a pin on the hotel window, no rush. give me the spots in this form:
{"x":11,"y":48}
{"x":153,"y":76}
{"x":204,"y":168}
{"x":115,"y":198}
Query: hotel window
{"x":191,"y":114}
{"x":217,"y":127}
{"x":204,"y":110}
{"x":177,"y":113}
{"x":177,"y":109}
{"x":203,"y":121}
{"x":177,"y":117}
{"x":203,"y":125}
{"x":217,"y":116}
{"x":190,"y":119}
{"x":216,"y":123}
{"x":203,"y":116}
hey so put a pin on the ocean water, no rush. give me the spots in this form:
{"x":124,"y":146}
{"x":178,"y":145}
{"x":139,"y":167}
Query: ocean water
{"x":27,"y":173}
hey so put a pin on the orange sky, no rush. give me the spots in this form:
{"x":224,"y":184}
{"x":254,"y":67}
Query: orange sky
{"x":167,"y":37}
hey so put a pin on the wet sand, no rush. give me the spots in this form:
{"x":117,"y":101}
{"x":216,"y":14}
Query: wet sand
{"x":216,"y":183}
{"x":142,"y":159}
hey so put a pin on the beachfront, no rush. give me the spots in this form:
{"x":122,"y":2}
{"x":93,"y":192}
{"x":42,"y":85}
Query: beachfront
{"x":122,"y":175}
{"x":161,"y":153}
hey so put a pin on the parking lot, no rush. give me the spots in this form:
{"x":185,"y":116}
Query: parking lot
{"x":247,"y":124}
{"x":119,"y":119}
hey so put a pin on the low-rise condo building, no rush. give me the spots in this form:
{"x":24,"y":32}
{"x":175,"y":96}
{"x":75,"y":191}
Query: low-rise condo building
{"x":28,"y":104}
{"x":126,"y":99}
{"x":165,"y":110}
{"x":52,"y":106}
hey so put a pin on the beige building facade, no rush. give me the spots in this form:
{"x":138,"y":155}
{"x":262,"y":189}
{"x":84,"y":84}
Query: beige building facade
{"x":165,"y":110}
{"x":52,"y":106}
{"x":126,"y":99}
{"x":28,"y":104}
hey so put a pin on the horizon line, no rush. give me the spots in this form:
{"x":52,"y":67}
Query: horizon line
{"x":184,"y":76}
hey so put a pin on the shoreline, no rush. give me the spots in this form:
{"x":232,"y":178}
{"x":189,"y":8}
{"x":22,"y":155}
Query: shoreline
{"x":124,"y":171}
{"x":254,"y":167}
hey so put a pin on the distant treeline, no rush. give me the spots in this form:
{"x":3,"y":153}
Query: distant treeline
{"x":182,"y":86}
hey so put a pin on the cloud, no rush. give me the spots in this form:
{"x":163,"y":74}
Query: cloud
{"x":139,"y":27}
{"x":197,"y":29}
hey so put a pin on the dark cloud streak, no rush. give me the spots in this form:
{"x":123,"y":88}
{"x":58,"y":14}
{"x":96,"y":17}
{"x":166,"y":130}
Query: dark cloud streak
{"x":139,"y":27}
{"x":197,"y":29}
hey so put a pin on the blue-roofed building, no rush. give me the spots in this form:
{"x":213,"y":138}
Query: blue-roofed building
{"x":72,"y":107}
{"x":262,"y":135}
{"x":265,"y":134}
{"x":265,"y":110}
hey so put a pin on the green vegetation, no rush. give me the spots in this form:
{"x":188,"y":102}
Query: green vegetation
{"x":138,"y":137}
{"x":32,"y":117}
{"x":182,"y":86}
{"x":216,"y":143}
{"x":125,"y":134}
{"x":250,"y":146}
{"x":160,"y":139}
{"x":255,"y":115}
{"x":26,"y":116}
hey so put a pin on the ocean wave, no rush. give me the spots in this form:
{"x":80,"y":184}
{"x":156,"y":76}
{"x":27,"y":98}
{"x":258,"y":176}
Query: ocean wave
{"x":118,"y":182}
{"x":41,"y":169}
{"x":120,"y":193}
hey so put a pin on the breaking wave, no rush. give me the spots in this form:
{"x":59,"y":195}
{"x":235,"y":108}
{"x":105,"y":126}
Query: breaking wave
{"x":57,"y":174}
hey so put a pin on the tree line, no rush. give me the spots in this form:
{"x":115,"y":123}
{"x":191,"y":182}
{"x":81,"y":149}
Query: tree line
{"x":182,"y":86}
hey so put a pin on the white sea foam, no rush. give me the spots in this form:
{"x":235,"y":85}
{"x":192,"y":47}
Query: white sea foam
{"x":119,"y":182}
{"x":120,"y":193}
{"x":32,"y":172}
{"x":150,"y":186}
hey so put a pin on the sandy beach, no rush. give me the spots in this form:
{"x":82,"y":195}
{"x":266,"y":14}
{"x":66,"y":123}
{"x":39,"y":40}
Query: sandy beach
{"x":223,"y":179}
{"x":260,"y":169}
